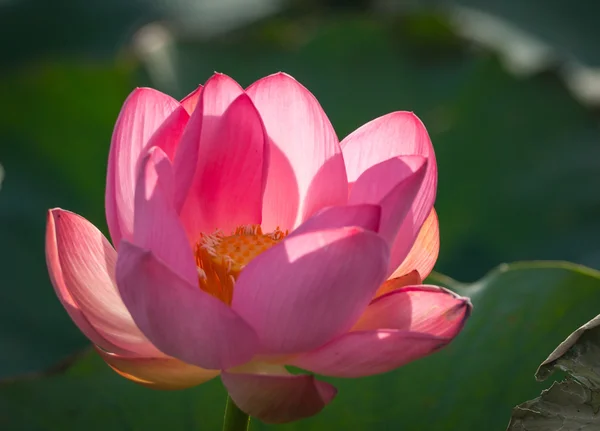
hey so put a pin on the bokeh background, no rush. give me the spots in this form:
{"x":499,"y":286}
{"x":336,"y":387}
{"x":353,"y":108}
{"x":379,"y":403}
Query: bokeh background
{"x":509,"y":91}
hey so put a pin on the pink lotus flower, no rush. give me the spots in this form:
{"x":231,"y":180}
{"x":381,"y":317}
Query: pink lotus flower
{"x":248,"y":238}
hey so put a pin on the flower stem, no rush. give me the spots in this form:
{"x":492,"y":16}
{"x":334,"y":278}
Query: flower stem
{"x":235,"y":419}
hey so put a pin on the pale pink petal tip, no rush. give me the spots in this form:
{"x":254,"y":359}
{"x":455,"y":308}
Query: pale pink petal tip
{"x":392,"y":135}
{"x":277,"y":399}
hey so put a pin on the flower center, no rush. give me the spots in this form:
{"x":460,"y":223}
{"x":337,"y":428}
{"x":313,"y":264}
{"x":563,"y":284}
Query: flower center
{"x":220,"y":258}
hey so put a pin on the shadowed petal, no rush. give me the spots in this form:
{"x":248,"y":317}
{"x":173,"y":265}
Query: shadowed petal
{"x":278,"y":398}
{"x":158,"y":373}
{"x":301,"y":133}
{"x":366,"y":353}
{"x":179,"y":318}
{"x":156,"y":224}
{"x":142,"y":114}
{"x":168,"y":135}
{"x":366,"y":216}
{"x":230,"y":174}
{"x":310,"y":287}
{"x":204,"y":126}
{"x":392,"y":184}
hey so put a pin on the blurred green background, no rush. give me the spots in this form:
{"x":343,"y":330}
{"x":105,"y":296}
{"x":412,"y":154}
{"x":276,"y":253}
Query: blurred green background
{"x":509,"y":91}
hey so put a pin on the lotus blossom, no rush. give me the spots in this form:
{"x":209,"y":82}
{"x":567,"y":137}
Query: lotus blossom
{"x":247,"y":238}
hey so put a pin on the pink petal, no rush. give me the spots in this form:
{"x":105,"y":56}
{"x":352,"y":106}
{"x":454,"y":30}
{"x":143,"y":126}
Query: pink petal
{"x":186,"y":157}
{"x":156,"y":224}
{"x":366,"y":216}
{"x":142,"y":114}
{"x":426,"y":309}
{"x":278,"y":398}
{"x":204,"y":126}
{"x":393,"y":184}
{"x":168,"y":135}
{"x":218,"y":93}
{"x":81,"y":263}
{"x":55,"y":272}
{"x":158,"y":373}
{"x":301,"y":135}
{"x":397,"y":328}
{"x":179,"y":318}
{"x":190,"y":101}
{"x":425,"y":250}
{"x":366,"y":353}
{"x":310,"y":287}
{"x":390,"y":136}
{"x":230,"y":174}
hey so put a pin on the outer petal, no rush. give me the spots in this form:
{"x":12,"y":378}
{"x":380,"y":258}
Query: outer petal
{"x":393,"y":135}
{"x":393,"y":184}
{"x":168,"y":135}
{"x":179,"y":318}
{"x":397,"y":328}
{"x":142,"y":114}
{"x":190,"y":101}
{"x":278,"y":398}
{"x":81,"y":263}
{"x":426,"y":309}
{"x":365,"y":353}
{"x":425,"y":250}
{"x":302,"y":135}
{"x":204,"y":126}
{"x":310,"y":287}
{"x":186,"y":156}
{"x":158,"y":373}
{"x":156,"y":224}
{"x":366,"y":216}
{"x":55,"y":271}
{"x":230,"y":173}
